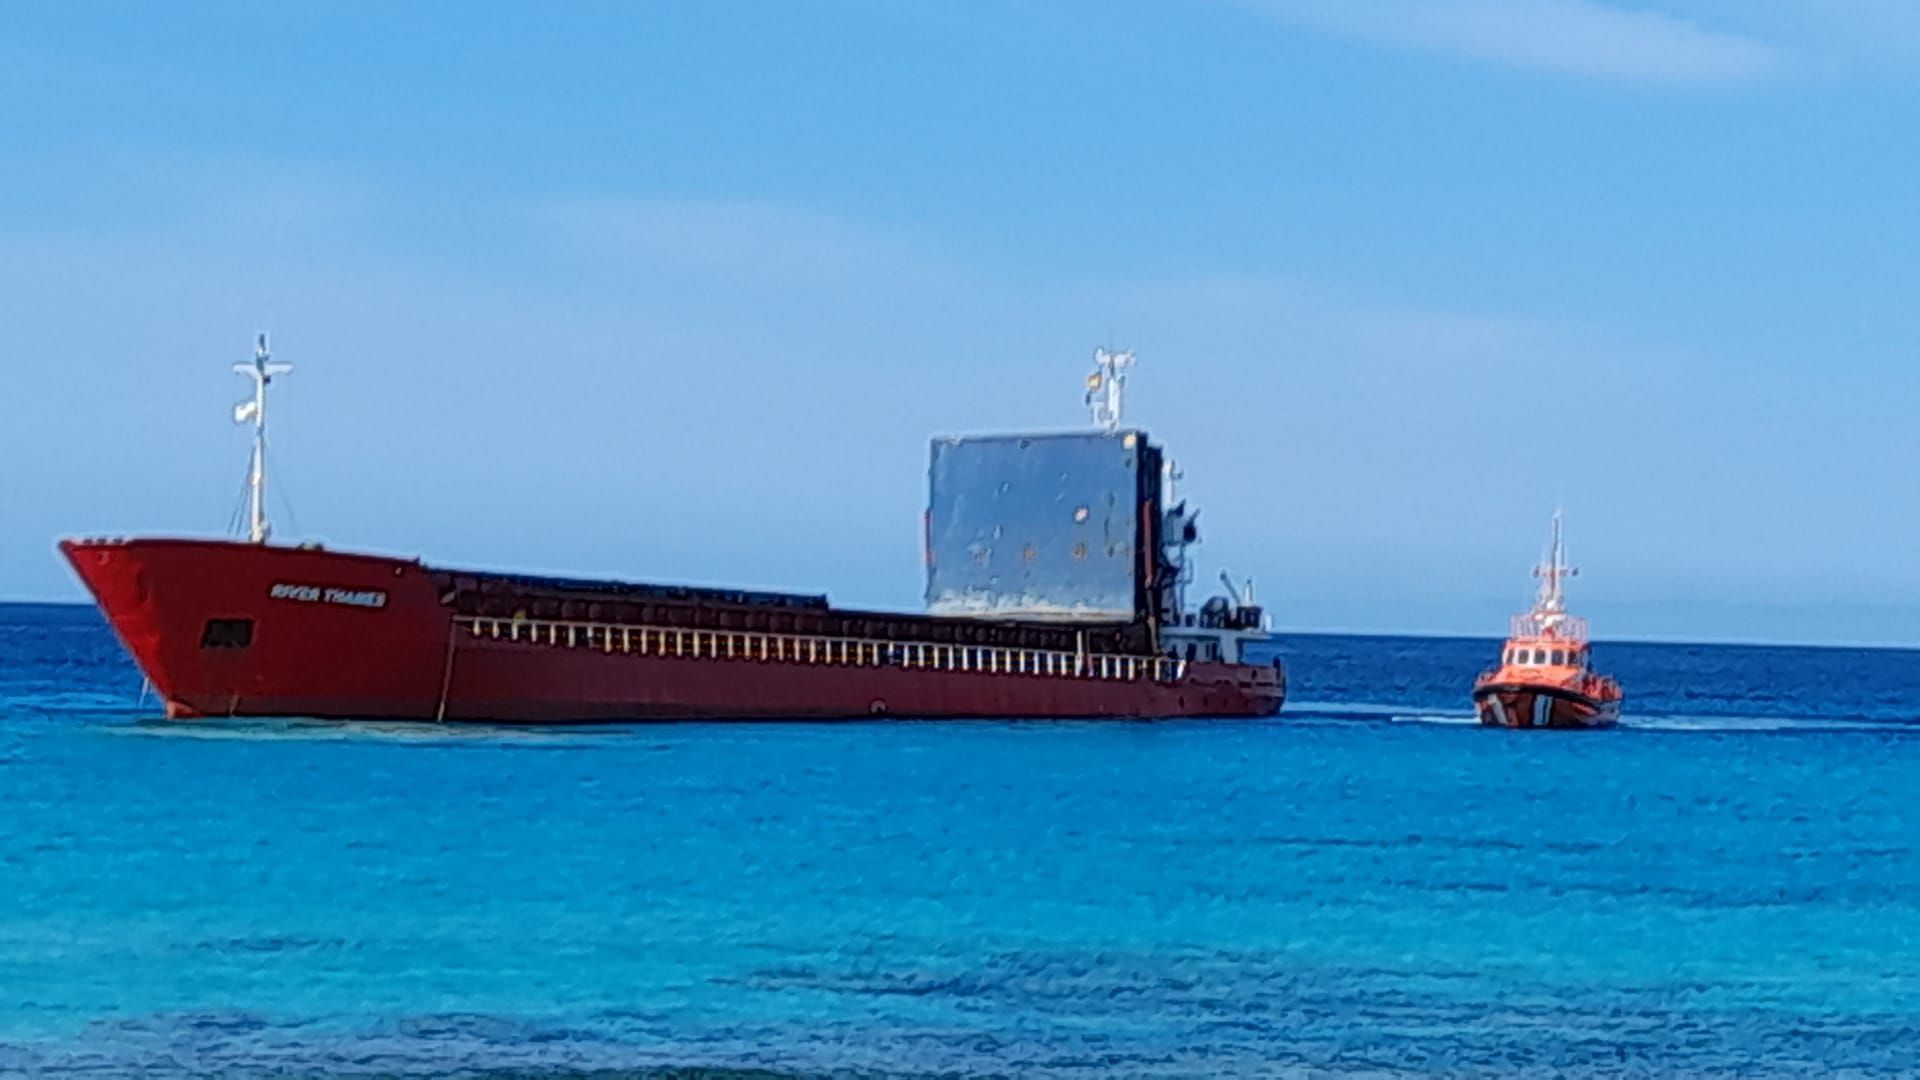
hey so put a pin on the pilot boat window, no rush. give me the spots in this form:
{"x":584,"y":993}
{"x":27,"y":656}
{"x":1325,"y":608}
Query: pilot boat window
{"x":1559,"y":657}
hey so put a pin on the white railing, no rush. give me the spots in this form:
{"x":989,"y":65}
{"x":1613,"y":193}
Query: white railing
{"x":762,"y":647}
{"x":1559,"y":627}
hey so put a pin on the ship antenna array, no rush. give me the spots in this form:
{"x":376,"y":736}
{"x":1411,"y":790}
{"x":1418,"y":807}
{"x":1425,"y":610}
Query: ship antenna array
{"x":1553,"y":571}
{"x":1107,"y":387}
{"x":254,"y":411}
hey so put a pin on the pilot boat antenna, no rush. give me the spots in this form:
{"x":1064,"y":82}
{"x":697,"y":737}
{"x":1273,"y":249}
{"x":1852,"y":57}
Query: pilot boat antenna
{"x":1551,"y":604}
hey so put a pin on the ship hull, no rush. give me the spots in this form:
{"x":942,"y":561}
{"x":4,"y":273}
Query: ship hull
{"x":230,"y":629}
{"x":1520,"y":705}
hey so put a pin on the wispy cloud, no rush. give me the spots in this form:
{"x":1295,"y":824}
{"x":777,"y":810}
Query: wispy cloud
{"x":1847,"y":38}
{"x":1573,"y":37}
{"x":735,"y":239}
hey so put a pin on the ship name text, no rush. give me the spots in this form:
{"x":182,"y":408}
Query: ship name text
{"x":320,"y":594}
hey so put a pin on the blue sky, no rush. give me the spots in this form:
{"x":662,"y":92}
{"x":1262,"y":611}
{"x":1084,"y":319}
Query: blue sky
{"x":680,"y":291}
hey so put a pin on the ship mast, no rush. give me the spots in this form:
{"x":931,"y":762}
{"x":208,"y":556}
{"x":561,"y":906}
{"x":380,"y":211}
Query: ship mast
{"x":1107,"y":387}
{"x":1552,"y":601}
{"x":254,"y":411}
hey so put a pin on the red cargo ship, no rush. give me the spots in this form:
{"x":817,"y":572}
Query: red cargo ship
{"x":1545,"y":678}
{"x":1026,"y":619}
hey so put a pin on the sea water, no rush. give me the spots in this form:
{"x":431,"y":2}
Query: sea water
{"x":1368,"y":884}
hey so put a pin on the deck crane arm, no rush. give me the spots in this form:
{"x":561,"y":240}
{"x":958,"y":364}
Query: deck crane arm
{"x":1233,"y":591}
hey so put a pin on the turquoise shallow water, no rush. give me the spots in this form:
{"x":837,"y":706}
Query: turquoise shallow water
{"x":1369,"y":884}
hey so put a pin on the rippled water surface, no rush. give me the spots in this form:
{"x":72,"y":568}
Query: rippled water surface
{"x":1369,"y":884}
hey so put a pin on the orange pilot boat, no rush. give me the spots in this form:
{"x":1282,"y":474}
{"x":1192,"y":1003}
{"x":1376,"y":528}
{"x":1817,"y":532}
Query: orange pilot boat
{"x":1545,"y":678}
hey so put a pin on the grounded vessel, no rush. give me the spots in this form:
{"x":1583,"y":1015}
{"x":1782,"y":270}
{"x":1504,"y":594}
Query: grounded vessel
{"x":1056,"y":568}
{"x":1545,"y":678}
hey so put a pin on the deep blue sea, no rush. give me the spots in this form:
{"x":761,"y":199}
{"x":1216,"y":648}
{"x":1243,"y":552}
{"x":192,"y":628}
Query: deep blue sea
{"x":1369,"y":884}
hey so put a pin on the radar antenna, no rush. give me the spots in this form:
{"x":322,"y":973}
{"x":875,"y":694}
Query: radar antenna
{"x":254,"y":411}
{"x":1107,"y":387}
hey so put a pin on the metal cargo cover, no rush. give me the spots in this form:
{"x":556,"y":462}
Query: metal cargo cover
{"x":1036,"y":526}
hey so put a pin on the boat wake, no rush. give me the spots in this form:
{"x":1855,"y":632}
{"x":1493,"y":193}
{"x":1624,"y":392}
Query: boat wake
{"x":1683,"y":722}
{"x":1441,"y":719}
{"x":1655,"y":722}
{"x":1338,"y":711}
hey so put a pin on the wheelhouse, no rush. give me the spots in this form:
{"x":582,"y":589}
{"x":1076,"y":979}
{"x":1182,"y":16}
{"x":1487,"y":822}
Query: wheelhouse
{"x":1548,"y":654}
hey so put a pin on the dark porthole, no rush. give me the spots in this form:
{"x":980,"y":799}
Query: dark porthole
{"x":227,"y":634}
